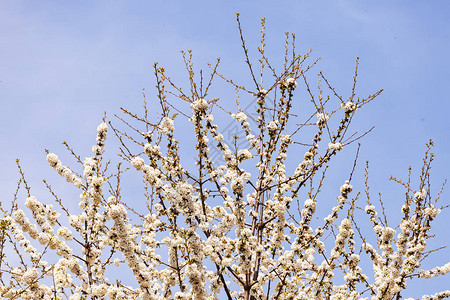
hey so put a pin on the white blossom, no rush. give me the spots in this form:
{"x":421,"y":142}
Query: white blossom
{"x":244,"y":154}
{"x":240,"y":117}
{"x":349,"y":106}
{"x":199,"y":105}
{"x":292,"y":83}
{"x":322,"y":118}
{"x":167,"y":125}
{"x":335,"y":146}
{"x":420,"y":195}
{"x":272,"y":126}
{"x":137,"y":163}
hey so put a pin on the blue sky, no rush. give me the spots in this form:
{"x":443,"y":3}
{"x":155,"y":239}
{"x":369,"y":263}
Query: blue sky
{"x":62,"y":64}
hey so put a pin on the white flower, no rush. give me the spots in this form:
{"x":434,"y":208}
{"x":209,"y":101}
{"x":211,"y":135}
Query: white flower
{"x":354,"y":258}
{"x":285,"y":138}
{"x":227,"y":261}
{"x":74,"y":221}
{"x":369,"y":209}
{"x":147,"y":135}
{"x":322,"y":119}
{"x":102,"y":128}
{"x":335,"y":146}
{"x":420,"y":195}
{"x":209,"y":118}
{"x":346,"y":188}
{"x":227,"y":155}
{"x":99,"y":290}
{"x":309,"y":203}
{"x":388,"y":234}
{"x":308,"y":155}
{"x":117,"y":262}
{"x":97,"y":181}
{"x":253,"y":214}
{"x":346,"y":224}
{"x":65,"y":233}
{"x":272,"y":126}
{"x":348,"y":106}
{"x":432,"y":211}
{"x":240,"y":117}
{"x":151,"y":150}
{"x":158,"y":207}
{"x":292,"y":83}
{"x":246,"y":176}
{"x":52,"y":159}
{"x":244,"y":154}
{"x":237,"y":185}
{"x":44,"y":238}
{"x":32,"y":203}
{"x":218,"y":138}
{"x":166,"y":125}
{"x":18,"y":215}
{"x":137,"y":162}
{"x":199,"y":104}
{"x":117,"y":211}
{"x":30,"y":276}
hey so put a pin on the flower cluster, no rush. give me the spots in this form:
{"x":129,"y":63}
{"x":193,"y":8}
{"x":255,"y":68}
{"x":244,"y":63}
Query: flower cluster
{"x":349,"y":106}
{"x":322,"y":119}
{"x":290,"y":83}
{"x":335,"y":146}
{"x":166,"y":125}
{"x":64,"y":171}
{"x":199,"y":105}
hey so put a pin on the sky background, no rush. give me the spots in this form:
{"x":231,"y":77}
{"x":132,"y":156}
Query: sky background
{"x":62,"y":64}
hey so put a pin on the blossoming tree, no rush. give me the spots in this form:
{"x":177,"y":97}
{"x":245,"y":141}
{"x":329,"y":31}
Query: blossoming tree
{"x":239,"y":229}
